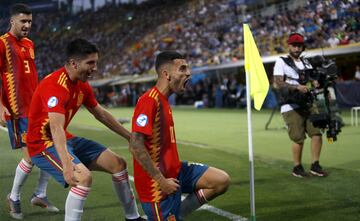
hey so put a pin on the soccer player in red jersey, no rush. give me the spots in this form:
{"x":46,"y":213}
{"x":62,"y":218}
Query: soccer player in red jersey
{"x":160,"y":177}
{"x":18,"y":82}
{"x":68,"y":158}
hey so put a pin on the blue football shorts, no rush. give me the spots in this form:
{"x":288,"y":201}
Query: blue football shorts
{"x":169,"y":208}
{"x":82,"y":151}
{"x":17,"y":129}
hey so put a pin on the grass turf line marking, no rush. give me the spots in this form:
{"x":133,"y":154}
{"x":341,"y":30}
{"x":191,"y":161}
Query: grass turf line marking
{"x":207,"y":207}
{"x":222,"y":213}
{"x":184,"y":142}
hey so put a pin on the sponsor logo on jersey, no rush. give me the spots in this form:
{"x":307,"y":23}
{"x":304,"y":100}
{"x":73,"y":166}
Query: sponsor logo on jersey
{"x":52,"y":102}
{"x":142,"y":120}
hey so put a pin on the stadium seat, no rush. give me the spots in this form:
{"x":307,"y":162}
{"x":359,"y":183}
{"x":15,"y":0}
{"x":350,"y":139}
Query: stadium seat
{"x":354,"y":115}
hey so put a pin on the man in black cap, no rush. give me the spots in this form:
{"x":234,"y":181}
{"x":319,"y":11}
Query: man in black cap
{"x":291,"y":79}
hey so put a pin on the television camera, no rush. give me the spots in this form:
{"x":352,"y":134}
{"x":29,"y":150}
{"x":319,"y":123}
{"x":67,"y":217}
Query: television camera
{"x":324,"y":71}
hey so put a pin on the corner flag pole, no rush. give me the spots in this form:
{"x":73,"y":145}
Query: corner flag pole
{"x":251,"y":154}
{"x":257,"y":86}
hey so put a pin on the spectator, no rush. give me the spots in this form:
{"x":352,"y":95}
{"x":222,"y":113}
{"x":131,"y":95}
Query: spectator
{"x":333,"y":40}
{"x":357,"y":73}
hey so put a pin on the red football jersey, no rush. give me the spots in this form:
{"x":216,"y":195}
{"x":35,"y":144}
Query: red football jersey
{"x":153,"y":118}
{"x":18,"y":74}
{"x":55,"y":93}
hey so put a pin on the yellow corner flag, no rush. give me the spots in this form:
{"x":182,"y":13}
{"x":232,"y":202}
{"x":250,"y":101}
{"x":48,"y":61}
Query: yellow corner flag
{"x":259,"y":83}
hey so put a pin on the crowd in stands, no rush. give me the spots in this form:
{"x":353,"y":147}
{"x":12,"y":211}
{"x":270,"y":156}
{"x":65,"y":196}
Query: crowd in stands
{"x":209,"y":32}
{"x":205,"y":91}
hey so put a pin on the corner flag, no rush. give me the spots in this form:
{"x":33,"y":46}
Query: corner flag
{"x":259,"y":83}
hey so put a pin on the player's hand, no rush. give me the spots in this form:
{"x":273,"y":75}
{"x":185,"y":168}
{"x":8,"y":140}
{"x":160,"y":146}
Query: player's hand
{"x":302,"y":88}
{"x":69,"y":170}
{"x":169,"y":185}
{"x":3,"y":113}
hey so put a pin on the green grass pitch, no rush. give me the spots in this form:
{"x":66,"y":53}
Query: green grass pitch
{"x":219,"y":138}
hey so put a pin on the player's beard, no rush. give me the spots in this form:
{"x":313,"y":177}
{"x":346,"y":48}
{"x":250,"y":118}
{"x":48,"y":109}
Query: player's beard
{"x":84,"y":76}
{"x":187,"y":84}
{"x":295,"y":55}
{"x":24,"y":32}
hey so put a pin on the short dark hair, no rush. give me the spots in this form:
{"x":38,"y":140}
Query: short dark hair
{"x":20,"y":8}
{"x":80,"y":49}
{"x":166,"y":57}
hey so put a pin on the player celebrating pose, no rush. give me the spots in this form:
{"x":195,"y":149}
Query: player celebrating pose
{"x":18,"y":82}
{"x":160,"y":177}
{"x":68,"y":158}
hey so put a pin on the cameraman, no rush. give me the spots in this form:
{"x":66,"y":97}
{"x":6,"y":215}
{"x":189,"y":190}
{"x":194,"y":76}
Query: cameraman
{"x":290,"y":79}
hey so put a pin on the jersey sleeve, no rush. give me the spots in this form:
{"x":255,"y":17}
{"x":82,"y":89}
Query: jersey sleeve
{"x":144,"y":116}
{"x":279,"y":67}
{"x":55,"y":99}
{"x":90,"y":100}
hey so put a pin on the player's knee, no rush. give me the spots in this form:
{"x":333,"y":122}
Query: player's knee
{"x":120,"y":164}
{"x":223,"y":182}
{"x":85,"y":178}
{"x":28,"y":160}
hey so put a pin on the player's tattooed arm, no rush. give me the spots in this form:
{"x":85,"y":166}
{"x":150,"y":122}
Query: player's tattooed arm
{"x":139,"y":151}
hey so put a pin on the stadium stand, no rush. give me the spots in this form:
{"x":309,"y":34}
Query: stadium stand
{"x":209,"y":32}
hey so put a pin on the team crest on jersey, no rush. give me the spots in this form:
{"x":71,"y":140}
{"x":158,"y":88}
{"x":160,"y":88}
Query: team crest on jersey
{"x":52,"y":102}
{"x":80,"y":98}
{"x":142,"y":120}
{"x":32,"y":53}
